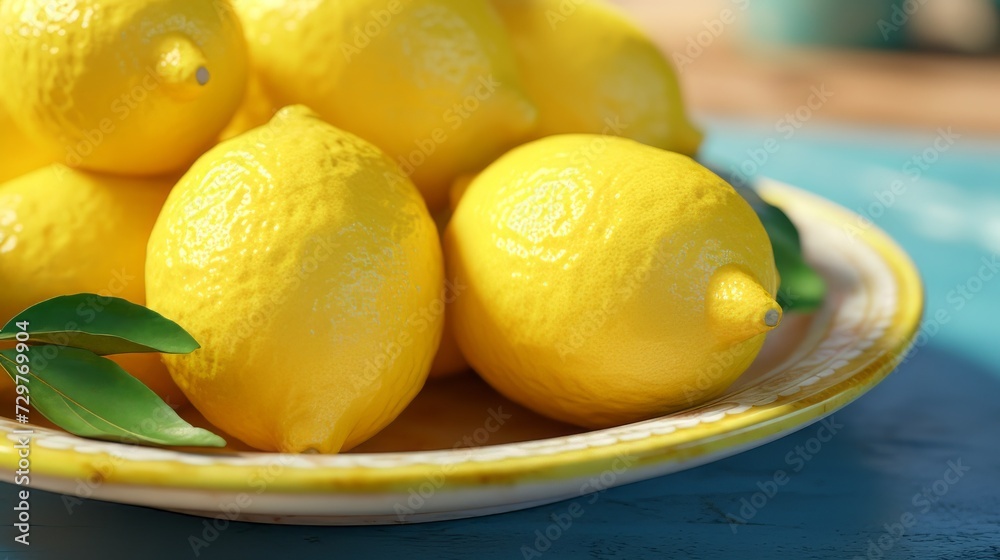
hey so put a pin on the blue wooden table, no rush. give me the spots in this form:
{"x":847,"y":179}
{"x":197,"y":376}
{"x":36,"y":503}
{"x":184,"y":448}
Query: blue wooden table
{"x":913,"y":473}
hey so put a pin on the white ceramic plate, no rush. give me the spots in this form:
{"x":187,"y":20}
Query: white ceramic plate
{"x":421,"y":467}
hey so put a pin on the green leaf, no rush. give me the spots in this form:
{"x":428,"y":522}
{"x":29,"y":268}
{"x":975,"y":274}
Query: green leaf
{"x":802,"y":288}
{"x":778,"y":225}
{"x":92,"y":397}
{"x":102,"y":325}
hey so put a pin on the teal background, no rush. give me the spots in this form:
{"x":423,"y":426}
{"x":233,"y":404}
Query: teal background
{"x":887,"y":465}
{"x":829,"y":22}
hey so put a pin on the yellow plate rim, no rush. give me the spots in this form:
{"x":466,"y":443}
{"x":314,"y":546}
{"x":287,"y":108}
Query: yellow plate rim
{"x":110,"y":463}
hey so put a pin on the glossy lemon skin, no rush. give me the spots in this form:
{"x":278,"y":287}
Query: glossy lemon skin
{"x":433,"y":83}
{"x":309,"y":270}
{"x":589,"y":69}
{"x":65,"y":231}
{"x":589,"y":261}
{"x":122,"y":86}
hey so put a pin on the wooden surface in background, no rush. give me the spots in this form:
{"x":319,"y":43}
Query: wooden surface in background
{"x":898,"y":88}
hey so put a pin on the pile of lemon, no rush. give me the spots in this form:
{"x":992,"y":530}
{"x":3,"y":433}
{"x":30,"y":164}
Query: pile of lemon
{"x":273,"y":175}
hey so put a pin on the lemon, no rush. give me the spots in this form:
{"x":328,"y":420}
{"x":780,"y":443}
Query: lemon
{"x":255,"y":110}
{"x":608,"y":281}
{"x":308,"y":268}
{"x":448,"y":360}
{"x":591,"y":70}
{"x":65,"y":231}
{"x":18,"y":155}
{"x":433,"y":83}
{"x":139,"y":88}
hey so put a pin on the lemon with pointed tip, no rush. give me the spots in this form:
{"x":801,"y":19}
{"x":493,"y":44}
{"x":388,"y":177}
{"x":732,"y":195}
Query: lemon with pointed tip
{"x":308,"y":268}
{"x":433,"y":83}
{"x":122,"y":86}
{"x":65,"y":231}
{"x":589,"y":69}
{"x":608,"y":281}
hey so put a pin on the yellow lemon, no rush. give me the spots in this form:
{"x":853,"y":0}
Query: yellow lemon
{"x":608,"y":281}
{"x":18,"y":155}
{"x":433,"y":83}
{"x":65,"y":231}
{"x":121,"y":86}
{"x":449,"y":360}
{"x":591,"y":70}
{"x":309,"y":270}
{"x":255,"y":110}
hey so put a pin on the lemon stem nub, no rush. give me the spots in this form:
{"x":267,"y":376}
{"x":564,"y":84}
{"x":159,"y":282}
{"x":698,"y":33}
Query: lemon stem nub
{"x":772,"y":317}
{"x":738,"y":307}
{"x":181,"y":67}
